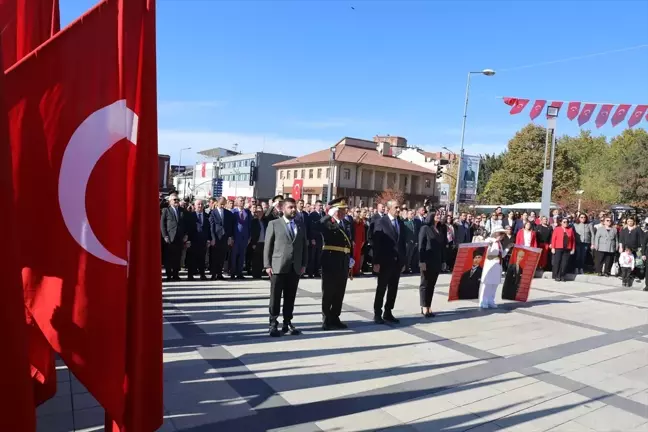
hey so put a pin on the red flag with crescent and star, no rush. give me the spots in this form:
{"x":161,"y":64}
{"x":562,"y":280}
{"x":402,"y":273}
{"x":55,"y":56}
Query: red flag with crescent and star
{"x":537,"y":108}
{"x":573,"y":109}
{"x":620,"y":114}
{"x":637,"y":115}
{"x":26,"y":24}
{"x":18,"y":406}
{"x":82,"y":114}
{"x":510,"y":101}
{"x":298,"y":186}
{"x":586,"y":113}
{"x":603,"y":115}
{"x":519,"y":106}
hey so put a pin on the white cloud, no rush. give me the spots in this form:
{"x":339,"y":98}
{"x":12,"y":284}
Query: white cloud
{"x":172,"y":140}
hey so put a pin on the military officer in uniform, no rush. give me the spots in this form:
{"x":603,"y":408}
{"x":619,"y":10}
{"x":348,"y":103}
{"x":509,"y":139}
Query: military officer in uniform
{"x":336,"y":262}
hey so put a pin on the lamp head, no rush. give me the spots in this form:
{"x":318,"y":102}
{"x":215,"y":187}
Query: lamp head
{"x":488,"y":72}
{"x":552,"y":111}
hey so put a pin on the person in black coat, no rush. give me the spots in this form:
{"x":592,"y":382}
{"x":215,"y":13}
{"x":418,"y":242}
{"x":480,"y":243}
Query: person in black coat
{"x":222,"y":225}
{"x":315,"y":241}
{"x":173,"y":225}
{"x":200,"y":238}
{"x":431,"y":244}
{"x":470,"y":280}
{"x":388,"y":261}
{"x":257,"y":242}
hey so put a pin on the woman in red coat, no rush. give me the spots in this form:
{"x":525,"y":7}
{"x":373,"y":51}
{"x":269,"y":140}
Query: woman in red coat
{"x":526,"y":236}
{"x":563,"y":244}
{"x":359,"y":238}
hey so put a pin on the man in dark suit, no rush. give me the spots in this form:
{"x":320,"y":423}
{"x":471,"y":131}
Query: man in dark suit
{"x":200,"y":238}
{"x":274,"y":211}
{"x":242,"y":226}
{"x":513,"y":277}
{"x":470,"y":280}
{"x":388,"y":261}
{"x":285,"y":257}
{"x":257,"y":242}
{"x":302,"y":216}
{"x":315,"y":240}
{"x":174,"y":232}
{"x":221,"y":223}
{"x":462,"y":231}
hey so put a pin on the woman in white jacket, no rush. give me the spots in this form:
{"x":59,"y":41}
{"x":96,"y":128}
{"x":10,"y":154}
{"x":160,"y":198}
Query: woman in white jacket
{"x":492,"y":272}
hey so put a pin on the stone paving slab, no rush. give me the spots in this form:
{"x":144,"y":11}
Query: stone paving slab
{"x":573,"y":358}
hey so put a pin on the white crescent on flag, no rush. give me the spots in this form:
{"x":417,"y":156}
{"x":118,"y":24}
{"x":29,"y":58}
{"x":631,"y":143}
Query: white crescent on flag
{"x":97,"y":134}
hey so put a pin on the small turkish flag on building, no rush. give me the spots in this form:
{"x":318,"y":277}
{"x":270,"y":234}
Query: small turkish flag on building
{"x":637,"y":115}
{"x":573,"y":109}
{"x":603,"y":115}
{"x":620,"y":114}
{"x":203,"y":169}
{"x":586,"y":114}
{"x":82,"y":114}
{"x":298,"y":185}
{"x":537,"y":108}
{"x":519,"y":106}
{"x":510,"y":101}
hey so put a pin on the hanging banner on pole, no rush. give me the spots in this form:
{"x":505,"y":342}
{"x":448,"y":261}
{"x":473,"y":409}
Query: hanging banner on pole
{"x":468,"y":179}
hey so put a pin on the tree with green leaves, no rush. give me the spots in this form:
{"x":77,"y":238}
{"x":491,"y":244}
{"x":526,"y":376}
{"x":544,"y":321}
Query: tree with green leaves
{"x":631,"y":149}
{"x":488,"y":165}
{"x":520,"y":177}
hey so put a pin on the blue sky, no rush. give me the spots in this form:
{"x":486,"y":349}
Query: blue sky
{"x":296,"y":76}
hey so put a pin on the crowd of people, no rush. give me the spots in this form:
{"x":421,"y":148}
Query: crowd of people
{"x":231,"y":237}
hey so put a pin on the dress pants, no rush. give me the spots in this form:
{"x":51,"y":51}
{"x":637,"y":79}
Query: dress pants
{"x":626,"y":276}
{"x":410,"y":248}
{"x":315,"y":257}
{"x":283,"y":284}
{"x":335,"y":270}
{"x":560,"y":263}
{"x":257,"y":260}
{"x":196,"y":259}
{"x":237,"y":258}
{"x":604,"y":262}
{"x":426,"y":288}
{"x":217,"y":254}
{"x":487,"y":295}
{"x":387,"y":281}
{"x":172,"y":258}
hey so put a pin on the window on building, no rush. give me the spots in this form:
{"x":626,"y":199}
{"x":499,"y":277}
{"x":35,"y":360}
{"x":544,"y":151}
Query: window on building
{"x":405,"y":179}
{"x":319,"y":172}
{"x":310,"y":173}
{"x":281,"y":175}
{"x":246,"y":177}
{"x":295,"y":174}
{"x":288,"y":174}
{"x":303,"y":173}
{"x":428,"y":183}
{"x":346,"y":174}
{"x":245,"y":163}
{"x":328,"y":173}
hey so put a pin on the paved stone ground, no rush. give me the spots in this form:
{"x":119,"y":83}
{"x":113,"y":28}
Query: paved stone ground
{"x":574,"y":358}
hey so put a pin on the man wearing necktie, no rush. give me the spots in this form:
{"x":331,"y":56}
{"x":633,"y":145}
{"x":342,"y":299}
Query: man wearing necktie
{"x":471,"y":279}
{"x":285,"y":256}
{"x":243,"y":220}
{"x":174,"y":232}
{"x":200,"y":238}
{"x":389,"y":261}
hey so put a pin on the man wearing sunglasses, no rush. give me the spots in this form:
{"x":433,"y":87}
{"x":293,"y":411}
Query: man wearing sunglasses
{"x":174,"y":231}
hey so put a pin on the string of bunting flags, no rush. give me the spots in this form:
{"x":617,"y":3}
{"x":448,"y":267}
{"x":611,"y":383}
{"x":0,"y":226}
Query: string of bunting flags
{"x":583,"y":111}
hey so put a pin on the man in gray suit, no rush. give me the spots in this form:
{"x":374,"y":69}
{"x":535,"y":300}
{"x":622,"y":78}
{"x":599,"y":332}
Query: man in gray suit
{"x":174,"y":231}
{"x":285,"y":256}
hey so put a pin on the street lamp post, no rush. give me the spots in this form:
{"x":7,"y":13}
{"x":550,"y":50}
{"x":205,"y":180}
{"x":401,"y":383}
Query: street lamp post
{"x":550,"y":150}
{"x":487,"y":72}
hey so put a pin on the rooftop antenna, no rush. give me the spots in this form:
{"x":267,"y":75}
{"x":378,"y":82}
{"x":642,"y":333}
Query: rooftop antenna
{"x":235,"y":147}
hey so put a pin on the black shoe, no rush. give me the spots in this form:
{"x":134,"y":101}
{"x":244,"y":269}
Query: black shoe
{"x":176,"y":278}
{"x":203,"y":277}
{"x":429,"y":315}
{"x":289,"y":328}
{"x":220,"y":277}
{"x":169,"y":279}
{"x":646,"y":288}
{"x":274,"y":331}
{"x":378,"y":319}
{"x":190,"y":278}
{"x":388,"y":317}
{"x":340,"y":325}
{"x":240,"y":277}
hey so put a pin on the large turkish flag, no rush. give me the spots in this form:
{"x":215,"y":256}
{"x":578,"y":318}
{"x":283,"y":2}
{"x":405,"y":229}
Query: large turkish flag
{"x":83,"y":132}
{"x":297,"y":188}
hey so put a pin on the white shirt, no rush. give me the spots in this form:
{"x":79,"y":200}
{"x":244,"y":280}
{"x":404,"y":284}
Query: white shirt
{"x":287,"y":221}
{"x":527,"y":238}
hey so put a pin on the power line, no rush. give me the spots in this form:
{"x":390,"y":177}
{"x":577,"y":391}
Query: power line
{"x":581,"y":57}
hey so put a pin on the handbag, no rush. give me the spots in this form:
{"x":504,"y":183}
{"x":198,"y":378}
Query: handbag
{"x":615,"y":269}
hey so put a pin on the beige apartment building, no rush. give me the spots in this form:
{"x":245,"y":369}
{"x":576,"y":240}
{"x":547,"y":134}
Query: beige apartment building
{"x":360,"y":169}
